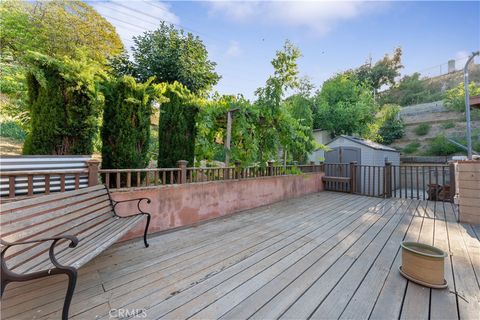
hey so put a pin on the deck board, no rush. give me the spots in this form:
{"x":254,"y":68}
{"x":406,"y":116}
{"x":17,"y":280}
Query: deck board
{"x":327,"y":255}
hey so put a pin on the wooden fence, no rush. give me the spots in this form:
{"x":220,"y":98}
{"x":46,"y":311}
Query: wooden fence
{"x":423,"y":182}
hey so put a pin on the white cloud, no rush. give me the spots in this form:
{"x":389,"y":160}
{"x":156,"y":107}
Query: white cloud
{"x":132,"y":18}
{"x":234,"y":50}
{"x":318,"y":16}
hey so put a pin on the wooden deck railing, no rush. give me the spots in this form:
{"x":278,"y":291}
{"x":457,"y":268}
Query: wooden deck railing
{"x":18,"y":184}
{"x":423,"y":182}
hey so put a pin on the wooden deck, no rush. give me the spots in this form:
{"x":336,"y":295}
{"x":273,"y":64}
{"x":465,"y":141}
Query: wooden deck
{"x":327,"y":255}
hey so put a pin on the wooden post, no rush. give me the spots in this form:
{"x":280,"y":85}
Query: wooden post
{"x":237,"y":169}
{"x":270,"y":167}
{"x":453,"y":177}
{"x":229,"y":137}
{"x":182,"y":164}
{"x":353,"y":177}
{"x":387,"y":178}
{"x":93,"y":166}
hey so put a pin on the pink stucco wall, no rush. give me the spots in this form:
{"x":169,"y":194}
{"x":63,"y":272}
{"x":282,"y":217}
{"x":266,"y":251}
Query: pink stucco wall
{"x":181,"y":205}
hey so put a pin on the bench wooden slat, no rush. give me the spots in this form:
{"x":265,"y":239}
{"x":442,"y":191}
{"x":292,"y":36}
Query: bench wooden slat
{"x":72,"y":227}
{"x":14,"y":259}
{"x":8,"y":216}
{"x":49,"y":216}
{"x":336,"y":179}
{"x":48,"y":198}
{"x":60,"y":224}
{"x":106,"y":234}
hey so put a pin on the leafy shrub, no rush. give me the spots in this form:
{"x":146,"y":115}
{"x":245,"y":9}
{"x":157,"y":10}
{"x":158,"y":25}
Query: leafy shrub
{"x":440,"y":146}
{"x":64,"y":105}
{"x":177,"y":130}
{"x":422,"y":129}
{"x":126,"y":123}
{"x":12,"y":129}
{"x":411,"y":147}
{"x":448,"y":125}
{"x":392,"y":126}
{"x":455,"y":97}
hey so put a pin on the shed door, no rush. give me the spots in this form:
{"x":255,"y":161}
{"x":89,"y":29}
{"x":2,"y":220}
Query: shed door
{"x":343,"y":155}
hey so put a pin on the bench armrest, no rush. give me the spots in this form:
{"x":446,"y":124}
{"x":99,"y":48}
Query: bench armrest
{"x":139,"y":200}
{"x":73,"y":243}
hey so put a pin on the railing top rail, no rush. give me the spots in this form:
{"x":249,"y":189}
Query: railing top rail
{"x":41,"y":173}
{"x":138,"y":170}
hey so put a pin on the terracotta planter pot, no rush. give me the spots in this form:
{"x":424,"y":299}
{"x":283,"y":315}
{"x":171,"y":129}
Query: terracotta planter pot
{"x":423,"y":264}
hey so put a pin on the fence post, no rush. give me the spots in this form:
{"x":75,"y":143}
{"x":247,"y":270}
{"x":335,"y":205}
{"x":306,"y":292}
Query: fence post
{"x":182,"y":165}
{"x":270,"y":167}
{"x":387,"y":178}
{"x":237,"y":169}
{"x":93,"y":166}
{"x":353,"y":176}
{"x":452,"y":178}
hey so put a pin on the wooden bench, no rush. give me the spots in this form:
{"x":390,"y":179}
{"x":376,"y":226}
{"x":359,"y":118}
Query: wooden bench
{"x":58,"y":233}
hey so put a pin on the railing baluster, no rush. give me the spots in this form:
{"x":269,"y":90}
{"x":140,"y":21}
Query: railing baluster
{"x":155,"y":177}
{"x":77,"y":181}
{"x":147,"y":178}
{"x":171,"y":177}
{"x":423,"y":182}
{"x":139,"y":179}
{"x":117,"y":180}
{"x":107,"y":179}
{"x":129,"y":179}
{"x":11,"y":186}
{"x":47,"y":184}
{"x":30,"y":185}
{"x":62,"y":182}
{"x":418,"y":189}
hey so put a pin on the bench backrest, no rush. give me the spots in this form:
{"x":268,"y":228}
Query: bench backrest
{"x":54,"y":214}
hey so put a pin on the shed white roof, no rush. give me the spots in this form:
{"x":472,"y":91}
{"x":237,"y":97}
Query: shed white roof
{"x":367,"y":143}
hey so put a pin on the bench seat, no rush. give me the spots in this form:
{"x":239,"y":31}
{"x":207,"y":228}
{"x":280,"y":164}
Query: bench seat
{"x":59,"y":233}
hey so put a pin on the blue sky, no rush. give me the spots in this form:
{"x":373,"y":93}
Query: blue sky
{"x":242,"y":36}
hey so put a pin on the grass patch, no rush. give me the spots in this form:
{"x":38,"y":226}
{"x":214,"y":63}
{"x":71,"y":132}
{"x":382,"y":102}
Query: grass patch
{"x":411,"y":147}
{"x":12,"y":129}
{"x":448,"y":125}
{"x":422,"y":129}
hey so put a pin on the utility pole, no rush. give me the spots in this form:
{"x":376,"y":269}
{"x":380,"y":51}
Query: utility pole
{"x":467,"y":105}
{"x":229,"y":135}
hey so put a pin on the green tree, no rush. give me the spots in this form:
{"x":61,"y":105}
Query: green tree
{"x":212,"y":127}
{"x":65,"y":105}
{"x":177,"y":130}
{"x":277,"y":128}
{"x":345,"y":106}
{"x":57,"y":28}
{"x":455,"y":97}
{"x":300,"y":107}
{"x":383,"y":72}
{"x":387,"y":126}
{"x":171,"y":55}
{"x":126,"y":123}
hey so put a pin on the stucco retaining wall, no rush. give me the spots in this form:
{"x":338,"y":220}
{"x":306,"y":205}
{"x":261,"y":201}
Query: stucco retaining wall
{"x":187,"y":204}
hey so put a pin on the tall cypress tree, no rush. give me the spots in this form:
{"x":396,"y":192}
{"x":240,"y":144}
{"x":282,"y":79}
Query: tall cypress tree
{"x":64,"y":105}
{"x":126,"y":123}
{"x":177,"y":128}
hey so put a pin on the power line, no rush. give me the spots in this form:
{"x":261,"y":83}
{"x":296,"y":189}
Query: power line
{"x":151,"y":16}
{"x":126,"y":14}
